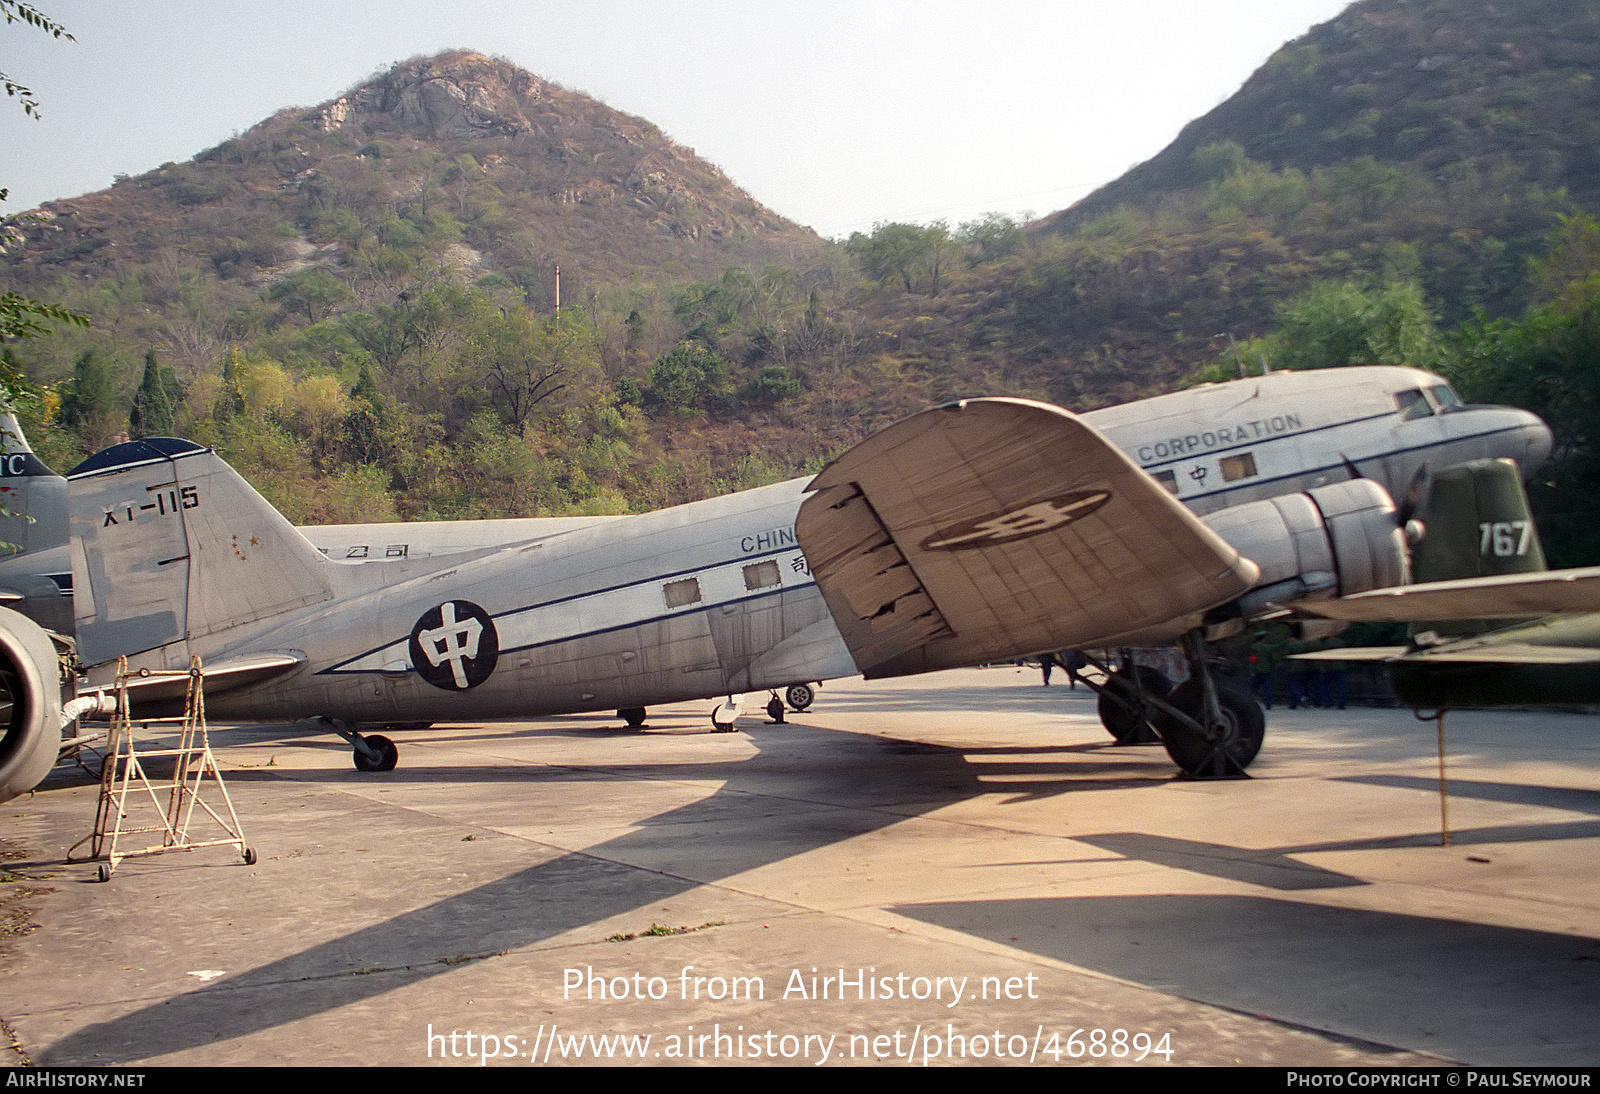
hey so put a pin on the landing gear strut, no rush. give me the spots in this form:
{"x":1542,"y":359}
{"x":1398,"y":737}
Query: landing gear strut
{"x":372,"y":752}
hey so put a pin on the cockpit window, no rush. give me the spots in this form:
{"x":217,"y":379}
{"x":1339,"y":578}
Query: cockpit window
{"x":1445,"y":396}
{"x":1412,"y":404}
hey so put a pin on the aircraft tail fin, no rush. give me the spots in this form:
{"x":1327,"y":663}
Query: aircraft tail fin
{"x":34,"y":497}
{"x":172,"y":551}
{"x":35,"y":577}
{"x":1477,"y":523}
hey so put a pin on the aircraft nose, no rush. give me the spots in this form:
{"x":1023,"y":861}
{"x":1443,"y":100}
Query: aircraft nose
{"x":1538,"y":443}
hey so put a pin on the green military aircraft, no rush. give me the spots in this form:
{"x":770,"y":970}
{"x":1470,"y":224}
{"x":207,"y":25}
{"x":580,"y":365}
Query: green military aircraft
{"x":1500,"y":629}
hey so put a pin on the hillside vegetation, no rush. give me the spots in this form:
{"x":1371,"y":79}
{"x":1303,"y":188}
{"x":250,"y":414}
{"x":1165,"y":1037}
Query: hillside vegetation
{"x":357,"y":302}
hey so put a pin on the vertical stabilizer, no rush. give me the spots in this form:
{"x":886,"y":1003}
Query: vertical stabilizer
{"x":1477,"y":524}
{"x":35,"y":575}
{"x":173,"y":551}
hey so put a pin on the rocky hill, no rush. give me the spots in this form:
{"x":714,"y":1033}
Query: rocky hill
{"x":482,"y":165}
{"x":1438,"y":85}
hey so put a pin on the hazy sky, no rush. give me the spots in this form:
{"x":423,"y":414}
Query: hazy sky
{"x":834,"y":114}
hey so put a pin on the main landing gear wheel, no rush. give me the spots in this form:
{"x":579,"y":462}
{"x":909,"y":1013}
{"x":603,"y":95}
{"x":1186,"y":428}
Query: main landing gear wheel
{"x":800,"y":696}
{"x":388,"y":754}
{"x":1129,"y":716}
{"x":1223,"y":750}
{"x":634,"y":716}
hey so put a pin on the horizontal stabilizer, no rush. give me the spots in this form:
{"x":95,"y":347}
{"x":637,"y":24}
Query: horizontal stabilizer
{"x":1502,"y":597}
{"x":994,"y":528}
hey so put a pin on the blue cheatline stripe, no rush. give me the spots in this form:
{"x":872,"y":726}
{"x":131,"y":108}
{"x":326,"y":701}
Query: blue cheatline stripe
{"x":1245,"y":484}
{"x":339,"y":668}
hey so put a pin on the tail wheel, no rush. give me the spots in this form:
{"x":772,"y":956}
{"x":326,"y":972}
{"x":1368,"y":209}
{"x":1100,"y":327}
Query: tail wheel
{"x":800,"y":696}
{"x":1224,"y":749}
{"x":1131,"y":720}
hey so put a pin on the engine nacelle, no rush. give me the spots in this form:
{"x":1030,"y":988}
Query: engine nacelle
{"x":1331,"y":541}
{"x":30,"y":704}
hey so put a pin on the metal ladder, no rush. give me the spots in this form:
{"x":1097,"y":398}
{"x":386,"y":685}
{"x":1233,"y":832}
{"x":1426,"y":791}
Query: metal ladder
{"x":124,"y":776}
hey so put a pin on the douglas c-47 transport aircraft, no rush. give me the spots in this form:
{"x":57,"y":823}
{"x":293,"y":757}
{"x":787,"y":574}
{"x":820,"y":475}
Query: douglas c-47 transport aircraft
{"x":985,"y":530}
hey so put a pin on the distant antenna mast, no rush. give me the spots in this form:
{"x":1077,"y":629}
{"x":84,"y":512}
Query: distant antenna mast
{"x":558,"y":288}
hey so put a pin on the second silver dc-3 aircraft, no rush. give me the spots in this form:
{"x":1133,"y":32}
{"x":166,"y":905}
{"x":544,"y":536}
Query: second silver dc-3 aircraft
{"x":985,"y":530}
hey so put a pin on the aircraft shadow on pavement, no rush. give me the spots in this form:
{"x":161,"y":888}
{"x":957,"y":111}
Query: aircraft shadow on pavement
{"x":875,"y":782}
{"x":1577,"y":800}
{"x":1468,"y":992}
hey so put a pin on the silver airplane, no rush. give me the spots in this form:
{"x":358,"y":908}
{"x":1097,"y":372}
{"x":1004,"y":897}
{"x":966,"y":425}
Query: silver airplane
{"x":986,"y":530}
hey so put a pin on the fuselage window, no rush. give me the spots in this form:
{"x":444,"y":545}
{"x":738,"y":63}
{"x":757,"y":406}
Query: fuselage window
{"x":1242,"y":466}
{"x":680,"y":593}
{"x":1412,"y":404}
{"x":762,"y":575}
{"x":1168,"y":479}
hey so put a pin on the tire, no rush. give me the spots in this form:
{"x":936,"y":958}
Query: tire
{"x":800,"y":696}
{"x":388,"y":754}
{"x":1243,"y":729}
{"x":1130,"y":727}
{"x":634,"y":716}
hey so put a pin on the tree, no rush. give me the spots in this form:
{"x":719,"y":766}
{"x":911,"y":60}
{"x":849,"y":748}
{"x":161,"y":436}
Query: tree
{"x":1355,"y":323}
{"x":525,"y":361}
{"x":992,"y":236}
{"x":89,"y":402}
{"x":688,"y":376}
{"x":154,"y":412}
{"x":918,"y":256}
{"x":314,"y":292}
{"x":15,"y":11}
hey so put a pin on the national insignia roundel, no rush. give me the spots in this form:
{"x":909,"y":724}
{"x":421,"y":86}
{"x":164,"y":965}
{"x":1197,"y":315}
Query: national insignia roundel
{"x":1027,"y":520}
{"x":455,"y":646}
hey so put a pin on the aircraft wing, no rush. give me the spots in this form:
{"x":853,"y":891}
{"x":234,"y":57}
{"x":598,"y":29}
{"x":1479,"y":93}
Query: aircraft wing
{"x":1354,"y":653}
{"x":994,"y":528}
{"x":1502,"y":597}
{"x":1509,"y":653}
{"x":1466,"y":653}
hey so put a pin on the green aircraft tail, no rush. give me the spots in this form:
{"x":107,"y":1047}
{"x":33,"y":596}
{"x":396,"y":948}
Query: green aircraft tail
{"x":1477,"y":523}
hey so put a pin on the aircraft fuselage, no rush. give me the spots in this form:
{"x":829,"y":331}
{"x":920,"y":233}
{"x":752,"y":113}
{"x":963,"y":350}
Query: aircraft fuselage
{"x":716,"y":597}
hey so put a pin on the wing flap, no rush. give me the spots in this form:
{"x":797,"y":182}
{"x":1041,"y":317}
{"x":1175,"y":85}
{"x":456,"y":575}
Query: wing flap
{"x":995,"y":528}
